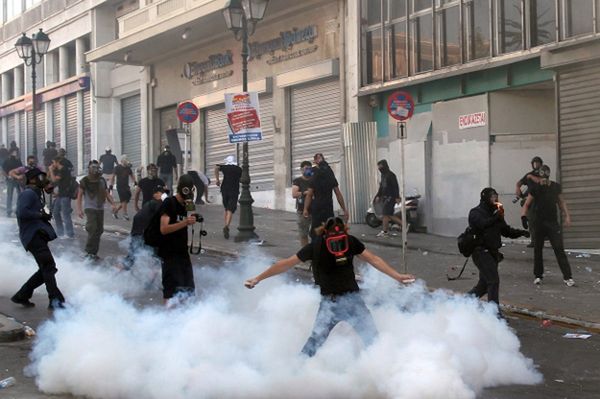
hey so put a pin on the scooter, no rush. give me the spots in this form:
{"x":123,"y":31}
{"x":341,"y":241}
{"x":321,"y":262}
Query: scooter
{"x":374,"y":213}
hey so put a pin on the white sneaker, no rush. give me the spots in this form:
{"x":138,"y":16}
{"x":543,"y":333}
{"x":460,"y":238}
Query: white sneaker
{"x":537,"y":281}
{"x":569,"y":282}
{"x":382,"y":234}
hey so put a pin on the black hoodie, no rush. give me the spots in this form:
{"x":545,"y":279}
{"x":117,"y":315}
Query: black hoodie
{"x":489,"y":226}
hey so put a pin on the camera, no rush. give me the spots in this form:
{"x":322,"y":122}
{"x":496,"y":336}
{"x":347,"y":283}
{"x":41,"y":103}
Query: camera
{"x":199,"y":218}
{"x":46,"y":215}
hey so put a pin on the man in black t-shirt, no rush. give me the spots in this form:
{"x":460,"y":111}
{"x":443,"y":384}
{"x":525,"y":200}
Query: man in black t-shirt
{"x":177,"y":272}
{"x":547,"y":195}
{"x":332,"y":253}
{"x":146,"y":186}
{"x":108,"y":161}
{"x":299,"y":192}
{"x":167,"y":167}
{"x":60,"y":175}
{"x":388,"y":194}
{"x":49,"y":154}
{"x":122,"y":174}
{"x":230,"y":189}
{"x":12,"y":185}
{"x":529,"y":181}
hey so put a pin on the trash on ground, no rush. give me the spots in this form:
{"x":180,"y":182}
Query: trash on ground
{"x":29,"y":332}
{"x":546,"y":323}
{"x":425,"y":253}
{"x":561,"y":381}
{"x":577,"y":336}
{"x":584,"y":255}
{"x":589,"y":269}
{"x":7,"y":382}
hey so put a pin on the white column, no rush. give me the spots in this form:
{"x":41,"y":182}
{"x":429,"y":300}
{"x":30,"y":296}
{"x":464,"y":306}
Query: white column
{"x":63,"y":123}
{"x":63,"y":63}
{"x":281,"y":148}
{"x":6,"y":86}
{"x":27,"y":79}
{"x":49,"y":119}
{"x":18,"y":81}
{"x":145,"y":111}
{"x":80,"y":130}
{"x":50,"y":72}
{"x":80,"y":49}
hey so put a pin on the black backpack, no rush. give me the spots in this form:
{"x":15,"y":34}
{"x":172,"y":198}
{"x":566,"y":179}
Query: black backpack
{"x":73,"y":187}
{"x":467,"y":241}
{"x":152,"y":234}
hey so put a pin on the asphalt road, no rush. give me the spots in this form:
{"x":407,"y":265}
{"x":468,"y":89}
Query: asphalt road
{"x":570,"y":367}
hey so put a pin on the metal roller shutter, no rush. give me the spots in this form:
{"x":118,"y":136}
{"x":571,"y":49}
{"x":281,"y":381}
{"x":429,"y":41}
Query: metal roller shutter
{"x":56,"y":119}
{"x":11,"y":129}
{"x":216,"y":142}
{"x":315,"y":122}
{"x":260,"y":153}
{"x":71,"y":133}
{"x":29,"y":148}
{"x":579,"y":126}
{"x":22,"y":138}
{"x":131,"y":129}
{"x":40,"y":124}
{"x":87,"y":128}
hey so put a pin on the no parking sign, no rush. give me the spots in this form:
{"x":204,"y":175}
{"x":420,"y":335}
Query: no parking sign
{"x":401,"y":105}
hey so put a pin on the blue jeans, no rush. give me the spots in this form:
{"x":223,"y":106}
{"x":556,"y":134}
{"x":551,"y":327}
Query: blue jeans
{"x":11,"y":185}
{"x":62,"y":216}
{"x":168,"y":179}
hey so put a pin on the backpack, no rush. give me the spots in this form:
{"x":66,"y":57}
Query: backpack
{"x":73,"y":188}
{"x":152,"y":234}
{"x":467,"y":241}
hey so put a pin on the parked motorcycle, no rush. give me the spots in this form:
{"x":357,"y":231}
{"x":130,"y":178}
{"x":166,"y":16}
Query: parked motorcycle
{"x":374,"y":216}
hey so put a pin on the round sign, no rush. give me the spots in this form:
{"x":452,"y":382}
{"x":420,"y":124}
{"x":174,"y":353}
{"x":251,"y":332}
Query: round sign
{"x":187,"y":112}
{"x":401,"y":105}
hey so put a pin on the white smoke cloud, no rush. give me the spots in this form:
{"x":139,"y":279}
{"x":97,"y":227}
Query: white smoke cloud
{"x":238,"y":343}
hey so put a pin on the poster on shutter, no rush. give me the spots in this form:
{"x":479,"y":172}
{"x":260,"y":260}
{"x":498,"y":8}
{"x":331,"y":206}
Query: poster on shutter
{"x":243,"y":117}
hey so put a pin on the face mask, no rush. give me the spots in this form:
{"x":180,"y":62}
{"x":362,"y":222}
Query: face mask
{"x":336,"y":241}
{"x":94,"y":170}
{"x":188,"y":195}
{"x":164,"y":196}
{"x":308,"y":172}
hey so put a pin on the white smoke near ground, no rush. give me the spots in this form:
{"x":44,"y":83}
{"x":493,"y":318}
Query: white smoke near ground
{"x":237,"y":343}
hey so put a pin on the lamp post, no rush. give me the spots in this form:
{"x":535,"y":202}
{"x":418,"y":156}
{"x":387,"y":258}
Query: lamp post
{"x":241,"y":17}
{"x":32,"y":51}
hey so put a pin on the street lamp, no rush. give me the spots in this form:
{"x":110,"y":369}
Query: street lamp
{"x":32,"y":51}
{"x":241,"y":18}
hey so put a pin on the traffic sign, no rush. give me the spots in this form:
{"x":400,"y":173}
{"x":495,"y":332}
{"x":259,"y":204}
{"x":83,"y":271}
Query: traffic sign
{"x":187,"y":112}
{"x":401,"y":105}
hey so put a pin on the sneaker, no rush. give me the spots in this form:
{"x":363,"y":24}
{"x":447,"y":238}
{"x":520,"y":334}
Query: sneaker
{"x":25,"y":302}
{"x":226,"y":232}
{"x":537,"y":281}
{"x":115,"y":215}
{"x":569,"y":282}
{"x":126,"y":217}
{"x":382,"y":234}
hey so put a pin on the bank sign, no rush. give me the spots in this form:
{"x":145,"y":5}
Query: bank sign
{"x":285,"y":43}
{"x":205,"y":71}
{"x":243,"y":118}
{"x":477,"y":119}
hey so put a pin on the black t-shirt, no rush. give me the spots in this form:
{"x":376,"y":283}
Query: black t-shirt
{"x":108,"y":162}
{"x":64,"y":182}
{"x":388,"y":188}
{"x":49,"y":154}
{"x":231,"y":178}
{"x":525,"y":181}
{"x":546,"y":201}
{"x":10,"y":164}
{"x":303,"y":186}
{"x":331,"y":277}
{"x":122,"y":174}
{"x":176,"y":242}
{"x":323,"y":182}
{"x":148,"y":185}
{"x":143,"y":217}
{"x":166,"y":162}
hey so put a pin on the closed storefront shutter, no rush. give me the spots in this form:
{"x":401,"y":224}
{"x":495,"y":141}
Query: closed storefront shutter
{"x":216,"y":141}
{"x":29,"y":133}
{"x":131,"y":130}
{"x":56,"y":119}
{"x":11,"y":129}
{"x":71,"y":133}
{"x":22,"y":136}
{"x":87,"y":128}
{"x":315,"y":123}
{"x":579,"y":123}
{"x":260,"y":153}
{"x":40,"y":124}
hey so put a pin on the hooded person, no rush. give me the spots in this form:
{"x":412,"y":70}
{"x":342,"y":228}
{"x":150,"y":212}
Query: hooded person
{"x":230,"y":188}
{"x":487,"y":222}
{"x":388,"y":195}
{"x":35,"y":231}
{"x":167,"y":167}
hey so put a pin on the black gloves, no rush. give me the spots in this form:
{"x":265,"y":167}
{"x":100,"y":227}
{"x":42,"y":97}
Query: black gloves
{"x":525,"y":233}
{"x":46,"y":216}
{"x":525,"y":222}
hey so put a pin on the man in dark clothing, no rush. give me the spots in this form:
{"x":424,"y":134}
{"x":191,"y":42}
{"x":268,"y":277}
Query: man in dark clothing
{"x":546,"y":196}
{"x":332,"y":254}
{"x":35,"y":232}
{"x":177,"y":271}
{"x":201,"y":183}
{"x":529,"y":181}
{"x":62,"y":153}
{"x":167,"y":167}
{"x":147,"y":186}
{"x":487,"y":221}
{"x":388,"y":194}
{"x":299,"y":192}
{"x":122,"y":174}
{"x":49,"y":154}
{"x":3,"y":154}
{"x":108,"y":162}
{"x":319,"y":197}
{"x":11,"y":163}
{"x":230,"y":189}
{"x":62,"y":179}
{"x":13,"y":147}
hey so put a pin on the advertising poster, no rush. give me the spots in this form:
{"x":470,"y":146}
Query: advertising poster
{"x":243,"y":117}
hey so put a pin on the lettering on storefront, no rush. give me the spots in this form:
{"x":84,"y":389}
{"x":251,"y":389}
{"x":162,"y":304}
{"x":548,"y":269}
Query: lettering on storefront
{"x":476,"y":119}
{"x":285,"y":42}
{"x":206,"y":71}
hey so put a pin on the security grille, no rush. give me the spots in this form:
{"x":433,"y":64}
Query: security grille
{"x":71,"y":132}
{"x":131,"y":129}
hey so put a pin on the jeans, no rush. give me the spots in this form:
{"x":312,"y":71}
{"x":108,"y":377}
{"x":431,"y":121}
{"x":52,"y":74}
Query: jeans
{"x":45,"y":275}
{"x":62,"y":216}
{"x":135,"y":244}
{"x":94,"y":226}
{"x":489,"y":279}
{"x":334,"y":309}
{"x":168,"y":179}
{"x":11,"y":185}
{"x":553,"y":232}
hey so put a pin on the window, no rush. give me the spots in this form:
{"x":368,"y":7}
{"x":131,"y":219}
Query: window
{"x":31,"y":3}
{"x":543,"y":22}
{"x":396,"y":60}
{"x":509,"y":25}
{"x":420,"y":5}
{"x":577,"y":17}
{"x":372,"y":62}
{"x":13,"y":8}
{"x":448,"y":34}
{"x":422,"y":37}
{"x":477,"y":29}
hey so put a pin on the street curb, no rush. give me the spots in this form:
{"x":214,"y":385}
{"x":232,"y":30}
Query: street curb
{"x":10,"y":330}
{"x":560,"y":320}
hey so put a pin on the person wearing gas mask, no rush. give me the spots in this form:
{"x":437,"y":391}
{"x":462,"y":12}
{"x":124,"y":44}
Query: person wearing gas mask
{"x":122,"y":174}
{"x":66,"y":187}
{"x":177,"y":272}
{"x":230,"y":189}
{"x":529,"y":180}
{"x":167,"y":167}
{"x":93,"y":194}
{"x":49,"y":154}
{"x":319,"y":202}
{"x":388,"y":194}
{"x":487,"y":222}
{"x":108,"y":162}
{"x":11,"y":163}
{"x":35,"y":231}
{"x":299,"y":192}
{"x":62,"y":153}
{"x":332,"y":253}
{"x":146,"y":186}
{"x":546,"y":196}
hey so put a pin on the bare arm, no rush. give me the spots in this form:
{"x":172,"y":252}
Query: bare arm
{"x":166,"y":228}
{"x":15,"y":174}
{"x":278,"y":267}
{"x":527,"y":204}
{"x":308,"y":201}
{"x":385,"y":268}
{"x":564,"y":210}
{"x":296,"y":191}
{"x":340,"y":199}
{"x":79,"y":198}
{"x":518,"y":192}
{"x":109,"y":198}
{"x":217,"y":181}
{"x":136,"y":198}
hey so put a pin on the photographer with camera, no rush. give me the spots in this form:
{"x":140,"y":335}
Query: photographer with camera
{"x":35,"y":231}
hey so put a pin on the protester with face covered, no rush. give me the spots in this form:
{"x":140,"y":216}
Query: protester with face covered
{"x":529,"y":181}
{"x":108,"y":162}
{"x":93,"y":194}
{"x":167,"y":167}
{"x":332,"y":253}
{"x":388,"y":194}
{"x":177,"y":272}
{"x":122,"y":174}
{"x":62,"y":153}
{"x":49,"y":154}
{"x":487,"y":222}
{"x":11,"y":163}
{"x":35,"y":231}
{"x":230,"y":189}
{"x":147,"y":186}
{"x":299,"y":192}
{"x":66,"y":187}
{"x":319,"y":201}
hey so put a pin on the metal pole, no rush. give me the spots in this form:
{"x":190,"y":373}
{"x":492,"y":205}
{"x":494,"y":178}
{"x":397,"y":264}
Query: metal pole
{"x":33,"y":106}
{"x":402,"y":134}
{"x":186,"y":148}
{"x":246,"y":227}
